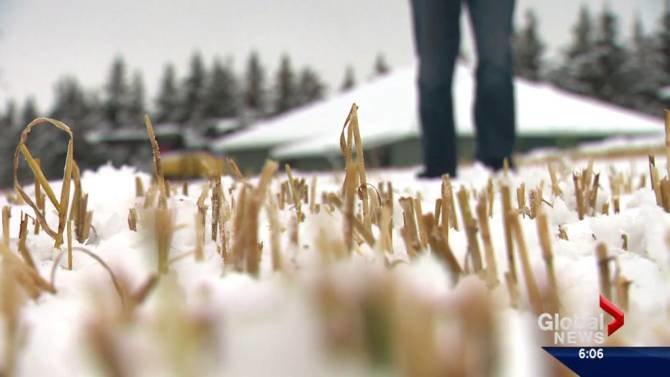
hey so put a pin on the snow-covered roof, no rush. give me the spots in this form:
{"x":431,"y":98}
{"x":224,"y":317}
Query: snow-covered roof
{"x":325,"y":116}
{"x":224,"y":125}
{"x":388,"y":111}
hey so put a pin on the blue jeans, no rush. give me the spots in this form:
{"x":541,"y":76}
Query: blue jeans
{"x":437,"y":34}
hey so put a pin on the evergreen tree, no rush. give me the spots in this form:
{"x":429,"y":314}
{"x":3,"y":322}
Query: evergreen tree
{"x":10,"y":134}
{"x":29,"y":112}
{"x":349,"y":81}
{"x":8,"y":119}
{"x":254,"y":87}
{"x":69,"y":102}
{"x":582,"y":34}
{"x":578,"y":68}
{"x":80,"y":110}
{"x":167,"y":101}
{"x":192,"y":106}
{"x":595,"y":62}
{"x":528,"y":50}
{"x":609,"y":83}
{"x":222,"y":92}
{"x":663,"y":37}
{"x":116,"y":94}
{"x":381,"y":67}
{"x":286,"y":93}
{"x":643,"y":72}
{"x":136,"y":103}
{"x":310,"y":87}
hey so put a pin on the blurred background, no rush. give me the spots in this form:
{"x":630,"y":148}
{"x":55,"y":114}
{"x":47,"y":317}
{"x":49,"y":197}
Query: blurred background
{"x":206,"y":69}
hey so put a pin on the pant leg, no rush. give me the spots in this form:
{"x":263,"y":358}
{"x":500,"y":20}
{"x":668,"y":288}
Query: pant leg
{"x":437,"y":35}
{"x":494,"y":103}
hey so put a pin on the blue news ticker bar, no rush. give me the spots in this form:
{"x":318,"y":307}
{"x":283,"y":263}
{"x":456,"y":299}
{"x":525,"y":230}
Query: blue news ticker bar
{"x":614,"y":361}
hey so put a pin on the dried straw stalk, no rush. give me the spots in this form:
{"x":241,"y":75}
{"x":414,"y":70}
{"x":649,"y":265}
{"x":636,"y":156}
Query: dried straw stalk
{"x":604,"y":270}
{"x":423,"y":234}
{"x":69,"y":245}
{"x":217,"y":198}
{"x":667,"y":142}
{"x":579,"y":194}
{"x":6,"y":214}
{"x":295,"y":195}
{"x":234,"y":169}
{"x":23,"y":249}
{"x":132,"y":219}
{"x":158,"y":168}
{"x":350,"y":143}
{"x":385,"y":230}
{"x":62,"y":206}
{"x":199,"y":252}
{"x":491,"y":267}
{"x":246,"y":249}
{"x":470,"y":225}
{"x":409,"y":230}
{"x":490,"y":196}
{"x":521,"y":199}
{"x":548,"y":256}
{"x":533,"y":291}
{"x":275,"y":233}
{"x":507,"y":228}
{"x":654,"y":181}
{"x":26,"y":276}
{"x":139,"y":187}
{"x":163,"y":231}
{"x":79,"y":213}
{"x":622,"y":291}
{"x":312,"y":196}
{"x":10,"y":310}
{"x":448,"y":206}
{"x":441,"y":248}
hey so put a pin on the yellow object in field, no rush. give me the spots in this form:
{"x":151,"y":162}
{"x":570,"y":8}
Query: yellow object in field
{"x":191,"y":165}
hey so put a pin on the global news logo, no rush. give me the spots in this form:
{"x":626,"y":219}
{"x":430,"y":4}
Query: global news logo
{"x":575,"y":330}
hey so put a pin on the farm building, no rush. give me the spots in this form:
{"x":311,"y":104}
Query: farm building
{"x":308,"y":138}
{"x":125,"y":145}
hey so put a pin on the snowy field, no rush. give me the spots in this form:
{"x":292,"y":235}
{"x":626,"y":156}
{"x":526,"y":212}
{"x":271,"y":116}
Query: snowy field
{"x":303,"y":277}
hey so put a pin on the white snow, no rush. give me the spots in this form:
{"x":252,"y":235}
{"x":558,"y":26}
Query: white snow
{"x":270,"y":325}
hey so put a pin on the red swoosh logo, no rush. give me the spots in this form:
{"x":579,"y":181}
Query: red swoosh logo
{"x":615,"y":312}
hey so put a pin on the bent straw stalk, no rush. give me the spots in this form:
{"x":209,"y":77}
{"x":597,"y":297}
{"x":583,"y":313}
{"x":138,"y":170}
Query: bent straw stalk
{"x":63,"y":205}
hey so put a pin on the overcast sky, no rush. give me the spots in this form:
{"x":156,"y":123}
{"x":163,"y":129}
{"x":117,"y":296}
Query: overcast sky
{"x":42,"y":40}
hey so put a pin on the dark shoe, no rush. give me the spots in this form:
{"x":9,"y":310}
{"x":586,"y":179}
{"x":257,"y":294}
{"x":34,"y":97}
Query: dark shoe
{"x":497,"y":163}
{"x":426,"y":174}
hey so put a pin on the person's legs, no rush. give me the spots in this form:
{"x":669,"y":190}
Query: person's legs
{"x":437,"y":34}
{"x":494,"y":104}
